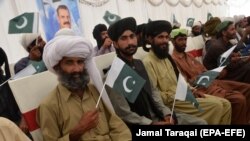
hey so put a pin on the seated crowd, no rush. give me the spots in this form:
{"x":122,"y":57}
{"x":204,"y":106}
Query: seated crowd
{"x":72,"y":111}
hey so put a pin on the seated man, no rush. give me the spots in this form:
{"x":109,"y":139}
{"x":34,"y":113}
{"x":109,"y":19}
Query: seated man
{"x":33,"y":43}
{"x":163,"y":75}
{"x":104,"y":43}
{"x":148,"y":108}
{"x":10,"y":132}
{"x":238,"y":68}
{"x":235,"y":92}
{"x":69,"y":112}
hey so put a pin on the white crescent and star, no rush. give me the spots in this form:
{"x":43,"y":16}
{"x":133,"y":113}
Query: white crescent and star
{"x":112,"y":19}
{"x":124,"y":82}
{"x":201,"y":78}
{"x":25,"y":22}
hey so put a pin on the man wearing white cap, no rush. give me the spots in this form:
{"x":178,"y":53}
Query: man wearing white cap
{"x":196,"y":29}
{"x":69,"y":113}
{"x":33,"y":43}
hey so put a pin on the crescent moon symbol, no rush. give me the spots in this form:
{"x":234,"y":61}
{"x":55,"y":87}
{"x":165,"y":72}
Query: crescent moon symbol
{"x":124,"y":82}
{"x":112,"y":19}
{"x":201,"y":78}
{"x":25,"y":22}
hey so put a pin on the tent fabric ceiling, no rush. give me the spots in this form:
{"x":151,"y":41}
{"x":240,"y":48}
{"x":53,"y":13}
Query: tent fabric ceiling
{"x":92,"y":12}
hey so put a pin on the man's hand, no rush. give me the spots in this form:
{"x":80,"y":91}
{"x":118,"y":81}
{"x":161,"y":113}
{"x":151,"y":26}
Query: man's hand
{"x":198,"y":94}
{"x":88,"y":121}
{"x":169,"y":120}
{"x":23,"y":125}
{"x":107,"y":43}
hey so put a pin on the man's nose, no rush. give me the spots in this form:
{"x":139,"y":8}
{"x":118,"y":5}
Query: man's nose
{"x":77,"y":68}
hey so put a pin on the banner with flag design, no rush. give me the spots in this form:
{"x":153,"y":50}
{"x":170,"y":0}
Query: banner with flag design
{"x":24,"y":23}
{"x":123,"y":79}
{"x":206,"y":78}
{"x":184,"y":93}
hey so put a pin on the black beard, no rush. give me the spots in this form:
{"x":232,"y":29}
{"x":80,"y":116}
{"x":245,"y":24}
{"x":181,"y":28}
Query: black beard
{"x":179,"y":48}
{"x":161,"y":53}
{"x":73,"y":81}
{"x":196,"y":33}
{"x":126,"y":51}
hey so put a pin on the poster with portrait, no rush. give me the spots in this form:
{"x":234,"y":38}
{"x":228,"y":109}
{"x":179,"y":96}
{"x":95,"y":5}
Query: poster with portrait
{"x":57,"y":14}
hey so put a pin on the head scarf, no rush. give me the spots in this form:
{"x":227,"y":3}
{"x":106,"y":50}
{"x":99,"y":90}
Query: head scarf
{"x":156,"y":27}
{"x":222,"y":26}
{"x":98,"y":29}
{"x":74,"y":46}
{"x":177,"y":32}
{"x":27,"y":39}
{"x":210,"y":26}
{"x":116,"y":29}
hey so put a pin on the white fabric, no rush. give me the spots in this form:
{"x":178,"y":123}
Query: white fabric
{"x":65,"y":31}
{"x":197,"y":23}
{"x":27,"y":39}
{"x":66,"y":46}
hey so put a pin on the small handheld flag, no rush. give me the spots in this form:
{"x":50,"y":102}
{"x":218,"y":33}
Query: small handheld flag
{"x":184,"y":93}
{"x":206,"y":78}
{"x":223,"y":60}
{"x":190,"y":22}
{"x":24,"y":23}
{"x":123,"y":79}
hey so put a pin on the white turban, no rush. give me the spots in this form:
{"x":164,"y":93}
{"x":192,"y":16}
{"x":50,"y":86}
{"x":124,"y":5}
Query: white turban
{"x":74,"y":46}
{"x":65,"y":31}
{"x":197,"y":23}
{"x":27,"y":39}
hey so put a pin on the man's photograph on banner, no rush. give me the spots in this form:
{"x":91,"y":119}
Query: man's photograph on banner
{"x":58,"y":14}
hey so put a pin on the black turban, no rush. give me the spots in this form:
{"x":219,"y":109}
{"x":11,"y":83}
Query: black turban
{"x":115,"y":30}
{"x":98,"y":29}
{"x":4,"y":60}
{"x":156,"y":27}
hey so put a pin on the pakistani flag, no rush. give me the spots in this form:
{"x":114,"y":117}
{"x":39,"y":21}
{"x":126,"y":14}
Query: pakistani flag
{"x":206,"y":78}
{"x":209,"y":16}
{"x":25,"y":23}
{"x":190,"y":22}
{"x":111,"y":18}
{"x":123,"y":79}
{"x":184,"y":93}
{"x":224,"y":59}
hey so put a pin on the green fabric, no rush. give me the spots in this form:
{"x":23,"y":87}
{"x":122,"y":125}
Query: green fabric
{"x":176,"y":32}
{"x":38,"y":65}
{"x":222,"y":26}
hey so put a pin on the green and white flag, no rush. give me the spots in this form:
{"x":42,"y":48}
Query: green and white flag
{"x":124,"y":80}
{"x":209,"y":16}
{"x":190,"y":22}
{"x":206,"y":78}
{"x":184,"y":93}
{"x":25,"y":23}
{"x":224,"y":59}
